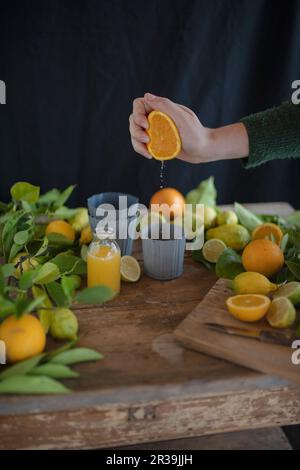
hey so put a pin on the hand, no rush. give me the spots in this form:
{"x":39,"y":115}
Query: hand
{"x":199,"y":144}
{"x":194,"y":137}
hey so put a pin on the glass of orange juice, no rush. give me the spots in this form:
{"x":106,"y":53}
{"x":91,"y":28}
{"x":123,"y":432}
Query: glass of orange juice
{"x":104,"y":262}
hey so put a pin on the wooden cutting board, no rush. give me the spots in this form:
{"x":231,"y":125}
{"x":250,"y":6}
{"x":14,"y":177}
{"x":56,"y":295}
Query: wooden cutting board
{"x":265,"y":357}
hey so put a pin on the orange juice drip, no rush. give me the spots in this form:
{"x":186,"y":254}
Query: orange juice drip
{"x":103,"y":268}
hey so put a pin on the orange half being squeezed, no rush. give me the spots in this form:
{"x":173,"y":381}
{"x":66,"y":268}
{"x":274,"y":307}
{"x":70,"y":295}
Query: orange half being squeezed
{"x":165,"y":142}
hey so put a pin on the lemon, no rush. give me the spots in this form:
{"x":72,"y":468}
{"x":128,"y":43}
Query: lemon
{"x":233,"y":235}
{"x":23,"y":263}
{"x":86,"y":236}
{"x":282,"y":313}
{"x":210,"y":216}
{"x":227,"y":217}
{"x":130,"y":269}
{"x":64,"y":324}
{"x":248,"y":308}
{"x":252,"y":283}
{"x":212,"y":250}
{"x":291,"y":291}
{"x":80,"y":220}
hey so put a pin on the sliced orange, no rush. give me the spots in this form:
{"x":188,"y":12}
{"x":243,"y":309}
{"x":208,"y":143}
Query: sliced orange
{"x":165,"y":142}
{"x":269,"y":231}
{"x":248,"y":307}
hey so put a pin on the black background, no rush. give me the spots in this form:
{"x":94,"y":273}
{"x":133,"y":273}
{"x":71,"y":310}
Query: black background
{"x":72,"y":69}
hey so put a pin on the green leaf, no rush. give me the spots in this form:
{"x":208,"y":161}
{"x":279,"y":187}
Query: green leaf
{"x":57,"y":294}
{"x":26,"y":384}
{"x":21,"y":368}
{"x":49,"y":197}
{"x":246,"y":217}
{"x":58,"y":239}
{"x":294,"y":238}
{"x":15,"y":249}
{"x":49,"y":272}
{"x":56,"y":371}
{"x":229,"y":264}
{"x":94,"y":295}
{"x":21,"y":237}
{"x":68,"y":286}
{"x":8,"y":270}
{"x":84,"y":252}
{"x":26,"y":305}
{"x":28,"y":277}
{"x":197,"y":255}
{"x":294,"y":218}
{"x":294,"y":268}
{"x":23,"y":191}
{"x":63,"y":197}
{"x":65,"y":347}
{"x":284,"y":242}
{"x":65,"y":213}
{"x":7,"y":307}
{"x":2,"y":282}
{"x":75,"y":355}
{"x":42,"y":248}
{"x":9,"y":230}
{"x":70,"y":264}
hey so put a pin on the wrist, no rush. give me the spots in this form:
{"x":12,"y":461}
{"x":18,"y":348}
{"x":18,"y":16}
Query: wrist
{"x":228,"y":142}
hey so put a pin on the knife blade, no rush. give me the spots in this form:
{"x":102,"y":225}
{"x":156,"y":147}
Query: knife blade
{"x":274,"y":337}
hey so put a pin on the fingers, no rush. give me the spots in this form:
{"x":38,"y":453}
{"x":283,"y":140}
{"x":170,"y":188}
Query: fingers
{"x":140,"y":148}
{"x":163,"y":104}
{"x":141,"y":107}
{"x":136,"y":131}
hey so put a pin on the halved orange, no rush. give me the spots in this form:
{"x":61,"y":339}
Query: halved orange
{"x":269,"y":231}
{"x":248,"y":307}
{"x":165,"y":142}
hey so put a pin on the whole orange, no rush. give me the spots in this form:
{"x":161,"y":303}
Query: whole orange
{"x":62,"y":227}
{"x":173,"y":201}
{"x":263,"y":256}
{"x":24,"y":337}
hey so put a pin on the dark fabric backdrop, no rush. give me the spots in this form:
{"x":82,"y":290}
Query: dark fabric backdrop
{"x":72,"y":69}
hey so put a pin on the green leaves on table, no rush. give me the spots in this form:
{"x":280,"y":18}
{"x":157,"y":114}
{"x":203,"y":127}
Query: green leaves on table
{"x":37,"y":375}
{"x":32,"y":385}
{"x":94,"y":295}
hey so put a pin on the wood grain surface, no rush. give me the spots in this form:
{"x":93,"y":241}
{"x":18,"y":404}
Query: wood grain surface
{"x":148,"y":387}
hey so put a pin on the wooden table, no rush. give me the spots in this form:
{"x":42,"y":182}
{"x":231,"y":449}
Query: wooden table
{"x":148,"y":388}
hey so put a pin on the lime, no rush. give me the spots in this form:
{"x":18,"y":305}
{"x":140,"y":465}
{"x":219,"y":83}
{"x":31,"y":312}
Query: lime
{"x":130,"y":269}
{"x":282,"y":313}
{"x":212,"y":250}
{"x":64,"y":324}
{"x":291,"y":291}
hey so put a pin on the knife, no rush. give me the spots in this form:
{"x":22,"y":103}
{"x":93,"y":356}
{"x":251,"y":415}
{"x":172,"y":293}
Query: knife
{"x":274,"y":337}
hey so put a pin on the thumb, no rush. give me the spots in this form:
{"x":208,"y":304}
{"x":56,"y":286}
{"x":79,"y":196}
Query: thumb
{"x":162,"y":104}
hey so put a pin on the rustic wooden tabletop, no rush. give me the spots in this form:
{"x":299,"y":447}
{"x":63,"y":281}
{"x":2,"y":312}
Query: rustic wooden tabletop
{"x":148,"y":387}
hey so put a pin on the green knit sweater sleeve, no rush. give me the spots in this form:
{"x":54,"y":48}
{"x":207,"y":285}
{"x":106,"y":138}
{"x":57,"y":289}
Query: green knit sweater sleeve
{"x":273,"y":134}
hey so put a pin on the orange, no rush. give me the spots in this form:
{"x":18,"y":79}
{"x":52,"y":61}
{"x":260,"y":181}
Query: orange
{"x":172,"y":199}
{"x":24,"y":337}
{"x":263,"y":256}
{"x":248,"y":307}
{"x":268,"y":231}
{"x":61,"y":227}
{"x":165,"y":142}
